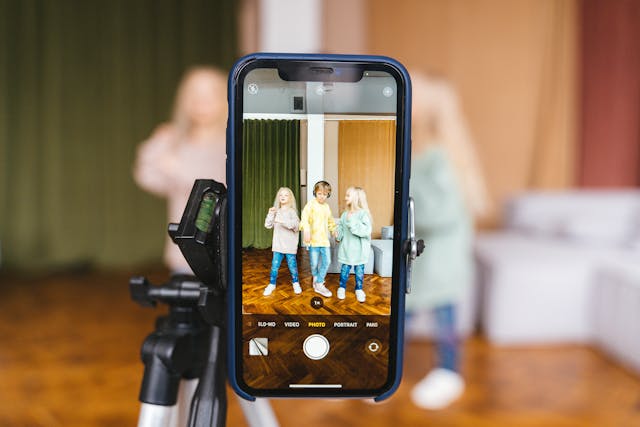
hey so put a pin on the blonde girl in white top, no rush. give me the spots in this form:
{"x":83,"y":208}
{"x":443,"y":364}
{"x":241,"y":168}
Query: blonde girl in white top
{"x":192,"y":145}
{"x":283,"y":218}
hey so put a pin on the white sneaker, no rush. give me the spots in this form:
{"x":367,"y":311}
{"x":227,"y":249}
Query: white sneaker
{"x":322,"y":289}
{"x":360,"y":295}
{"x":438,"y":389}
{"x":269,"y":290}
{"x":296,"y":288}
{"x":341,"y":293}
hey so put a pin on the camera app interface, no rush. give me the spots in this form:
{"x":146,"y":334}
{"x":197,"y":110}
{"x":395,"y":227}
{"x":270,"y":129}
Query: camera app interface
{"x":318,"y":179}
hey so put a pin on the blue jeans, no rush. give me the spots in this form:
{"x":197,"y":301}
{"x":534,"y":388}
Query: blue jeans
{"x":447,"y":337}
{"x":319,"y":258}
{"x":344,"y":275}
{"x":446,"y":340}
{"x":275,"y":265}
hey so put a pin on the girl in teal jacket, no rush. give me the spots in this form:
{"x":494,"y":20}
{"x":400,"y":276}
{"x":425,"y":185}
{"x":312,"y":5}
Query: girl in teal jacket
{"x":354,"y":235}
{"x":449,"y":192}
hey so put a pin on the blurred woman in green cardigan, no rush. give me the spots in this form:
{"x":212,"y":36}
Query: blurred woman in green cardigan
{"x":449,"y":192}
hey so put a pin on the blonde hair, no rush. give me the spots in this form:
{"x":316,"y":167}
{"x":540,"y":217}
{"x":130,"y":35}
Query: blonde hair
{"x":292,"y":199}
{"x":180,"y":118}
{"x":358,"y":200}
{"x":437,"y":118}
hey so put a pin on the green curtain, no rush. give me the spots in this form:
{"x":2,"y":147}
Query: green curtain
{"x":81,"y":84}
{"x":270,"y":160}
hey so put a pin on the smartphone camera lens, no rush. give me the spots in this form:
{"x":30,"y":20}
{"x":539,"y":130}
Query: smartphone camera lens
{"x":252,"y":88}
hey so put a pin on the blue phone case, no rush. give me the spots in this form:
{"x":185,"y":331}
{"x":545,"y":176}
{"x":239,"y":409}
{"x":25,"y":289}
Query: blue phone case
{"x":233,"y":219}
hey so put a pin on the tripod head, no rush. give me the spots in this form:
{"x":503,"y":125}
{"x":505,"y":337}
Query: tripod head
{"x":201,"y":234}
{"x":201,"y":237}
{"x":194,"y":329}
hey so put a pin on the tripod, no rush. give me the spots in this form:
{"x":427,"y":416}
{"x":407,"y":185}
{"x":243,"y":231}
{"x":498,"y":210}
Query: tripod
{"x":184,"y":357}
{"x":184,"y":362}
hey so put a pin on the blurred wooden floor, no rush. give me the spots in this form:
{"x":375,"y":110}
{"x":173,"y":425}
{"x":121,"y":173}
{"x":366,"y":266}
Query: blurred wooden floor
{"x":69,"y":356}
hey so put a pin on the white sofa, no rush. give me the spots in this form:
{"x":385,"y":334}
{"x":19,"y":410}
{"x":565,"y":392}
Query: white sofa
{"x":383,"y":257}
{"x":538,"y":276}
{"x":616,"y":304}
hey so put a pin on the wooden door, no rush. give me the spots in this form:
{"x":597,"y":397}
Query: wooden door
{"x":366,"y":158}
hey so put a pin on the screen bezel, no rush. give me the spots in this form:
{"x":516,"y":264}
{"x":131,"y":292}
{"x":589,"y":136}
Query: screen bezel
{"x":301,"y":69}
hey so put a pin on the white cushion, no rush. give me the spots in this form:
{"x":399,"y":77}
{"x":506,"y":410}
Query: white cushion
{"x":586,"y":216}
{"x":386,"y":232}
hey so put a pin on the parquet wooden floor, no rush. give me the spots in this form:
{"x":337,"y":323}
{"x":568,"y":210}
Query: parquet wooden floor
{"x":69,"y":356}
{"x":255,"y":275}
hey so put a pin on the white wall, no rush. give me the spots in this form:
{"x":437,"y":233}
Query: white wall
{"x":290,"y":26}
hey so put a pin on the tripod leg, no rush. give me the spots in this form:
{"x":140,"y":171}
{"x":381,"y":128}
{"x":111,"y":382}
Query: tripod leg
{"x":209,"y":404}
{"x":258,"y":413}
{"x":155,"y":415}
{"x":180,"y":416}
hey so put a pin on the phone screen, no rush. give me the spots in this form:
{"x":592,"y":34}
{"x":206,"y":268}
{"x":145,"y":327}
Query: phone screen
{"x":318,"y":159}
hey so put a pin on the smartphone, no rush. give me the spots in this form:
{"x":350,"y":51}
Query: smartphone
{"x":318,"y":175}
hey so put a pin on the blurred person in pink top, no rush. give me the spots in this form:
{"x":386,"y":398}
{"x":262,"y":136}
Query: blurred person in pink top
{"x":191,"y":146}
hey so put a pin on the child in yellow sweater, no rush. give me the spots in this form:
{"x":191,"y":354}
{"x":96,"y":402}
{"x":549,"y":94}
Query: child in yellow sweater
{"x":316,"y":223}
